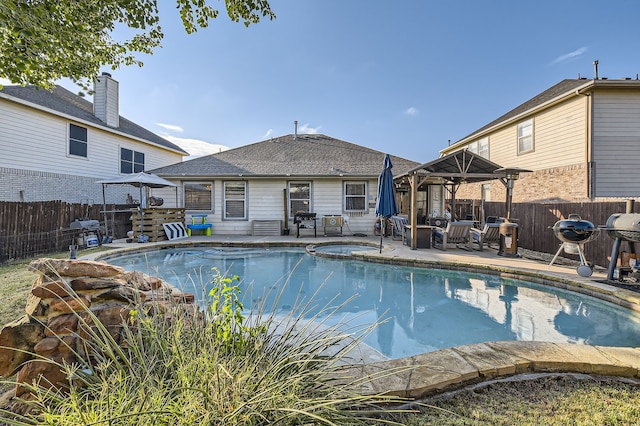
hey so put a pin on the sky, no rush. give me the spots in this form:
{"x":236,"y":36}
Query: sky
{"x":404,"y":77}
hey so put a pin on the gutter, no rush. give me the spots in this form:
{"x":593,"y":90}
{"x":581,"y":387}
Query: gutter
{"x":474,"y":136}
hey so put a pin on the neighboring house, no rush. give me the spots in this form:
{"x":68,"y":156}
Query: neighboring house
{"x":274,"y":179}
{"x":581,"y":139}
{"x":55,"y":145}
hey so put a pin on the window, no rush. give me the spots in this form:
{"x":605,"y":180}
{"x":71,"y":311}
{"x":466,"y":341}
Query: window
{"x":198,"y":196}
{"x":299,"y":198}
{"x":525,"y":137}
{"x":486,"y":191}
{"x":480,"y":147}
{"x":355,"y":196}
{"x":235,"y":200}
{"x":131,"y":161}
{"x":483,"y":148}
{"x":77,"y":140}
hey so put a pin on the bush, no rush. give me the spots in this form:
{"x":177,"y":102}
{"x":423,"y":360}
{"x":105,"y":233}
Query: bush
{"x":215,"y":367}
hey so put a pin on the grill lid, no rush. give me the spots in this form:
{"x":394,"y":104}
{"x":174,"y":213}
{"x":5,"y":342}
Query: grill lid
{"x":92,"y":225}
{"x":625,"y":226}
{"x":574,"y":230}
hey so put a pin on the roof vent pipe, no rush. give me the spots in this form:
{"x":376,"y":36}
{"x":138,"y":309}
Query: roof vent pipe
{"x":595,"y":69}
{"x":295,"y":130}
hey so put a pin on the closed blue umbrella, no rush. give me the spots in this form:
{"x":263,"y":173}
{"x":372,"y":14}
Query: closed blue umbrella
{"x":386,"y":205}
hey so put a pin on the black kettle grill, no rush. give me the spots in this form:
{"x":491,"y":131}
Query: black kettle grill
{"x":574,"y":234}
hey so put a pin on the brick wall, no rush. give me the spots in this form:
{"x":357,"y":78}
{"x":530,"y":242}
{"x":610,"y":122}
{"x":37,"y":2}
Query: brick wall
{"x":558,"y":184}
{"x":30,"y":185}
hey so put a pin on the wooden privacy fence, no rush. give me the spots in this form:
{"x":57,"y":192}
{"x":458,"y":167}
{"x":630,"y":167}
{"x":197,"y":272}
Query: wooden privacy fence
{"x":35,"y":228}
{"x":535,"y":222}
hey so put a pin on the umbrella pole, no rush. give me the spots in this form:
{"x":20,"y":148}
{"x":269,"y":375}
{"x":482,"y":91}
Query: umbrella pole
{"x":141,"y":214}
{"x":381,"y":232}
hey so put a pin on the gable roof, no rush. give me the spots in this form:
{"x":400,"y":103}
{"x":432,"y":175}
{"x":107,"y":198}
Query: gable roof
{"x":312,"y":155}
{"x":557,"y":91}
{"x":64,"y":102}
{"x":462,"y":165}
{"x":563,"y":90}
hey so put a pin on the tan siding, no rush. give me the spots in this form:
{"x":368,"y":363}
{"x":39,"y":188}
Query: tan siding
{"x":616,"y":144}
{"x":559,"y":139}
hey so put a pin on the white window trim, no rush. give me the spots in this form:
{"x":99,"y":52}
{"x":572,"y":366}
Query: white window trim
{"x":525,"y":123}
{"x":184,"y":201}
{"x":133,"y":160}
{"x":364,"y":196}
{"x":291,"y":213}
{"x":78,"y":140}
{"x":245,"y":200}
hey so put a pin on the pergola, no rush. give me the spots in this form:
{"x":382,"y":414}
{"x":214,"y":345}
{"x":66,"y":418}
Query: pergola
{"x":451,"y":171}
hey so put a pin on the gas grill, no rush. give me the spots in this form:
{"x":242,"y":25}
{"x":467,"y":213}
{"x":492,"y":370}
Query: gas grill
{"x":88,"y":232}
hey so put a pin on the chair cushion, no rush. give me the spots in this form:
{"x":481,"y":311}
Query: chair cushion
{"x":175,"y":230}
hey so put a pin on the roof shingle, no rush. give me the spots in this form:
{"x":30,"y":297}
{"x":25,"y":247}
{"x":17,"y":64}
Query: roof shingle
{"x":290,"y":155}
{"x":65,"y":102}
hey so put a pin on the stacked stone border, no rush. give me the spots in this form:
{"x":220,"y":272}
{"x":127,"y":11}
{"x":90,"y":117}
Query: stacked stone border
{"x":66,"y":300}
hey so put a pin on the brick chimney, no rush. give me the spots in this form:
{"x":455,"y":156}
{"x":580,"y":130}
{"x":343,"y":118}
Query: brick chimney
{"x":105,"y":100}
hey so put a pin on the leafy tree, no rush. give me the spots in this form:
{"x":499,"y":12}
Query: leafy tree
{"x":45,"y":40}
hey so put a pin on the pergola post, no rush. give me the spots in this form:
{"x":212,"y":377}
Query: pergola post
{"x":414,"y":210}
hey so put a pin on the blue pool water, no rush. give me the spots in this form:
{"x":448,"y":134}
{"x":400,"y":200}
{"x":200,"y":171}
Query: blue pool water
{"x":342,"y":249}
{"x":427,"y":309}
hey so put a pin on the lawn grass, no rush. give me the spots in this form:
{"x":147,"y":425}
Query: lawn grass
{"x":552,"y":400}
{"x":15,"y":283}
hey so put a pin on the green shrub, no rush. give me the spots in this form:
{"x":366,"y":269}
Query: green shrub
{"x":220,"y":368}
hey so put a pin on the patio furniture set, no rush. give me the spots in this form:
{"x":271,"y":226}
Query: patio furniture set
{"x":462,"y":234}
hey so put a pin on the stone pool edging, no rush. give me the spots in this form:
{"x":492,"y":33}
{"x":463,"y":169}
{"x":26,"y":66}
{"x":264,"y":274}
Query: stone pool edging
{"x":452,"y":368}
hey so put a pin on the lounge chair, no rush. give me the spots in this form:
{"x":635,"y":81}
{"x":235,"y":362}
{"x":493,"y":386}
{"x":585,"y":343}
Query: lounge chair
{"x":488,"y":235}
{"x":399,"y":228}
{"x":455,"y":233}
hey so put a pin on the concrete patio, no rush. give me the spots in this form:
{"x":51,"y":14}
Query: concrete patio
{"x":446,"y":369}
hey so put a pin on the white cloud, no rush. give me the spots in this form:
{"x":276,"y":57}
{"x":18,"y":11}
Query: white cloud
{"x":570,"y":55}
{"x":170,"y":127}
{"x":5,"y":82}
{"x":266,"y":135}
{"x":411,"y":111}
{"x":196,"y":148}
{"x":306,"y":129}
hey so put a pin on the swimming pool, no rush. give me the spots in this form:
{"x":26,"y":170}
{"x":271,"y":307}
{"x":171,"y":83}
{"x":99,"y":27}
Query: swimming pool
{"x":427,"y":309}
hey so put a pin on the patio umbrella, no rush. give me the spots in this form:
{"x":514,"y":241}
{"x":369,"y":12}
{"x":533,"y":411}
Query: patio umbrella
{"x":386,"y":204}
{"x":139,"y":180}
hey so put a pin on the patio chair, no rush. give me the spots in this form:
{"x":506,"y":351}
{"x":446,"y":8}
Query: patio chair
{"x":455,"y":233}
{"x":488,"y":235}
{"x":399,"y":228}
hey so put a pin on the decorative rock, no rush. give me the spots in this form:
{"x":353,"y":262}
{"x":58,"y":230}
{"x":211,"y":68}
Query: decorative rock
{"x":123,"y":294}
{"x":45,"y":373}
{"x":20,"y":335}
{"x":142,"y":281}
{"x":70,"y":304}
{"x":82,"y":284}
{"x":46,"y":345}
{"x":75,"y":268}
{"x":62,"y":325}
{"x":50,"y":289}
{"x":36,"y":307}
{"x":67,"y":299}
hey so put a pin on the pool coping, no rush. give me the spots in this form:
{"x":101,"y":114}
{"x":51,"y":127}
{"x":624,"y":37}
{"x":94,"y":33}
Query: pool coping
{"x":443,"y":370}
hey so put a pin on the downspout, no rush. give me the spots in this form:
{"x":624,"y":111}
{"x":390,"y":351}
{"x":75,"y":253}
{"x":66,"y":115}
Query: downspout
{"x":589,"y":142}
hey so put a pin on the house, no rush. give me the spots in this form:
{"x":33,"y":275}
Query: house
{"x":56,"y":144}
{"x":258,"y":188}
{"x":580,"y":138}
